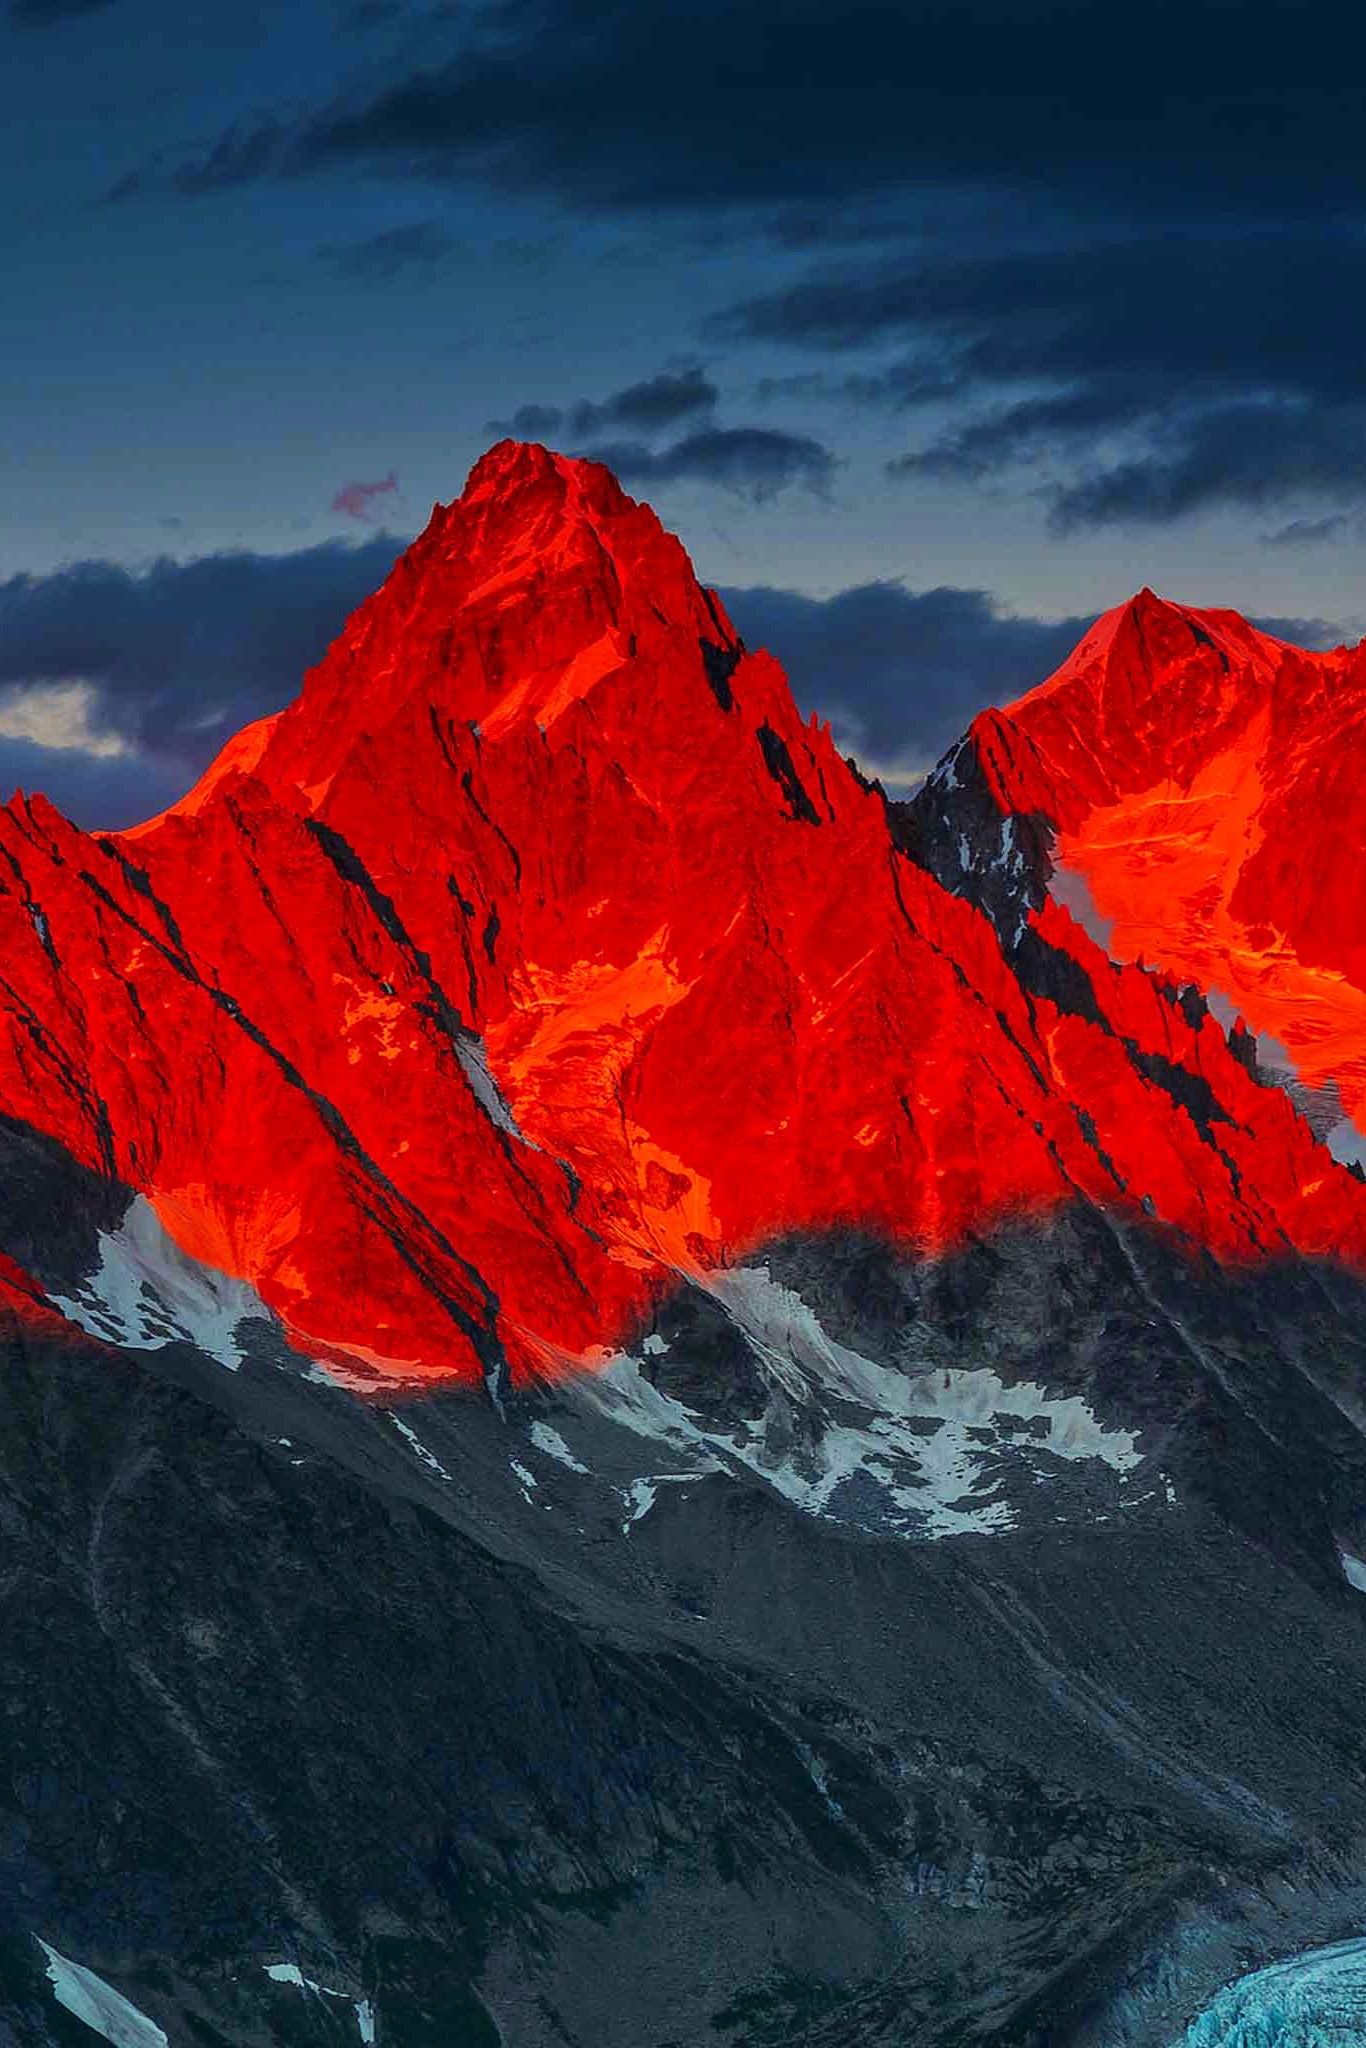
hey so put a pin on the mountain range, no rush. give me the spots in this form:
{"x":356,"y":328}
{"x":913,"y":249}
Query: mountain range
{"x":653,"y":1398}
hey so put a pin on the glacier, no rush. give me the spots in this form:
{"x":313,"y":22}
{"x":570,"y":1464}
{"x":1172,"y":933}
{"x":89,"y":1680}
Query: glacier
{"x":1316,"y":2000}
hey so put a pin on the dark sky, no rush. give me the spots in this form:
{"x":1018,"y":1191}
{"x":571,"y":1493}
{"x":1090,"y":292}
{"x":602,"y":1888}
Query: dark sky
{"x":933,"y":328}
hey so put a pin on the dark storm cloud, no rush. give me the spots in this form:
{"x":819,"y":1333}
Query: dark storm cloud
{"x":179,"y":656}
{"x":1139,"y":378}
{"x":1216,"y":305}
{"x":102,"y":795}
{"x":419,"y":246}
{"x":1300,"y":533}
{"x":900,"y":673}
{"x":696,"y":102}
{"x":1096,"y":254}
{"x":367,"y":14}
{"x":650,"y":406}
{"x":755,"y":462}
{"x":1245,"y":454}
{"x":1306,"y":632}
{"x":43,"y":13}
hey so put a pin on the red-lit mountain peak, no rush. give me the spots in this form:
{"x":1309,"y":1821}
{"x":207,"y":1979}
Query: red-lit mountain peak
{"x":1200,"y":773}
{"x":1152,"y":692}
{"x":540,"y":951}
{"x":514,"y":602}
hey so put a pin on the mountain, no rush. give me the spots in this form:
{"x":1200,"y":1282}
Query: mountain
{"x":652,"y":1399}
{"x":539,"y":953}
{"x":1199,"y":777}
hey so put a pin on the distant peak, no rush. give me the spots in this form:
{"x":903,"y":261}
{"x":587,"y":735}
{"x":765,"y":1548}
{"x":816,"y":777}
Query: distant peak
{"x":1149,"y":603}
{"x":1147,"y":608}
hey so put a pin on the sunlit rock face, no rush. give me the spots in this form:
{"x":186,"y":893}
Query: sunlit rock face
{"x":1200,"y":782}
{"x":540,"y":953}
{"x":646,"y":1401}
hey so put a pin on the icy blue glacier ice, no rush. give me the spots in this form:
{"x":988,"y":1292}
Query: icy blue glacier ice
{"x":1317,"y":2000}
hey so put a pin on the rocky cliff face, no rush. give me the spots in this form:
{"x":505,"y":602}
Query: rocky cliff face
{"x":649,"y":1400}
{"x":539,"y":953}
{"x":1196,"y":782}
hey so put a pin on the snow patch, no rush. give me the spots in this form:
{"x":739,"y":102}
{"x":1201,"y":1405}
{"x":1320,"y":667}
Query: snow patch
{"x":475,"y":1061}
{"x":1073,"y":891}
{"x":290,"y":1973}
{"x":1353,"y":1570}
{"x":553,"y":1444}
{"x":148,"y":1293}
{"x":945,"y":775}
{"x":527,"y":1481}
{"x":1346,"y":1143}
{"x":932,"y":1479}
{"x":640,"y":1494}
{"x":102,"y":2008}
{"x":428,"y":1457}
{"x":840,"y":1430}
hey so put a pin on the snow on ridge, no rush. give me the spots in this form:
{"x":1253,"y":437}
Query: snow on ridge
{"x":920,"y":1444}
{"x":147,"y":1293}
{"x":98,"y":2004}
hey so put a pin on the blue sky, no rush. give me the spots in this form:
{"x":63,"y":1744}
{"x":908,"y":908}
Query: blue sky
{"x":933,"y":329}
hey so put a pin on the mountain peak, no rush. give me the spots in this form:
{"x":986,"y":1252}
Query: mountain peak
{"x":510,"y":461}
{"x":540,"y":952}
{"x":520,"y":480}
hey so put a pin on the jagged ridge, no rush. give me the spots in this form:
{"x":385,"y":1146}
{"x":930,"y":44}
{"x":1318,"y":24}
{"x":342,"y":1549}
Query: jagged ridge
{"x":540,"y":952}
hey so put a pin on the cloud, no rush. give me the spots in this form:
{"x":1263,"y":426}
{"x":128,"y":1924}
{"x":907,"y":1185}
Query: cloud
{"x":1302,"y":632}
{"x":1084,"y":266}
{"x":696,"y":103}
{"x":44,"y":13}
{"x":356,"y":499}
{"x":754,"y":462}
{"x":135,"y":678}
{"x":899,"y":672}
{"x":61,"y":716}
{"x":377,"y":258}
{"x":101,"y":794}
{"x":1300,"y":533}
{"x":1254,"y":454}
{"x":650,"y":406}
{"x":529,"y":423}
{"x":1132,"y":377}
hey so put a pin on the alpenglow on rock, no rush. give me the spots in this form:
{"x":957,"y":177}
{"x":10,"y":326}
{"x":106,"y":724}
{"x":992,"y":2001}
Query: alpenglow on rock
{"x":540,"y":953}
